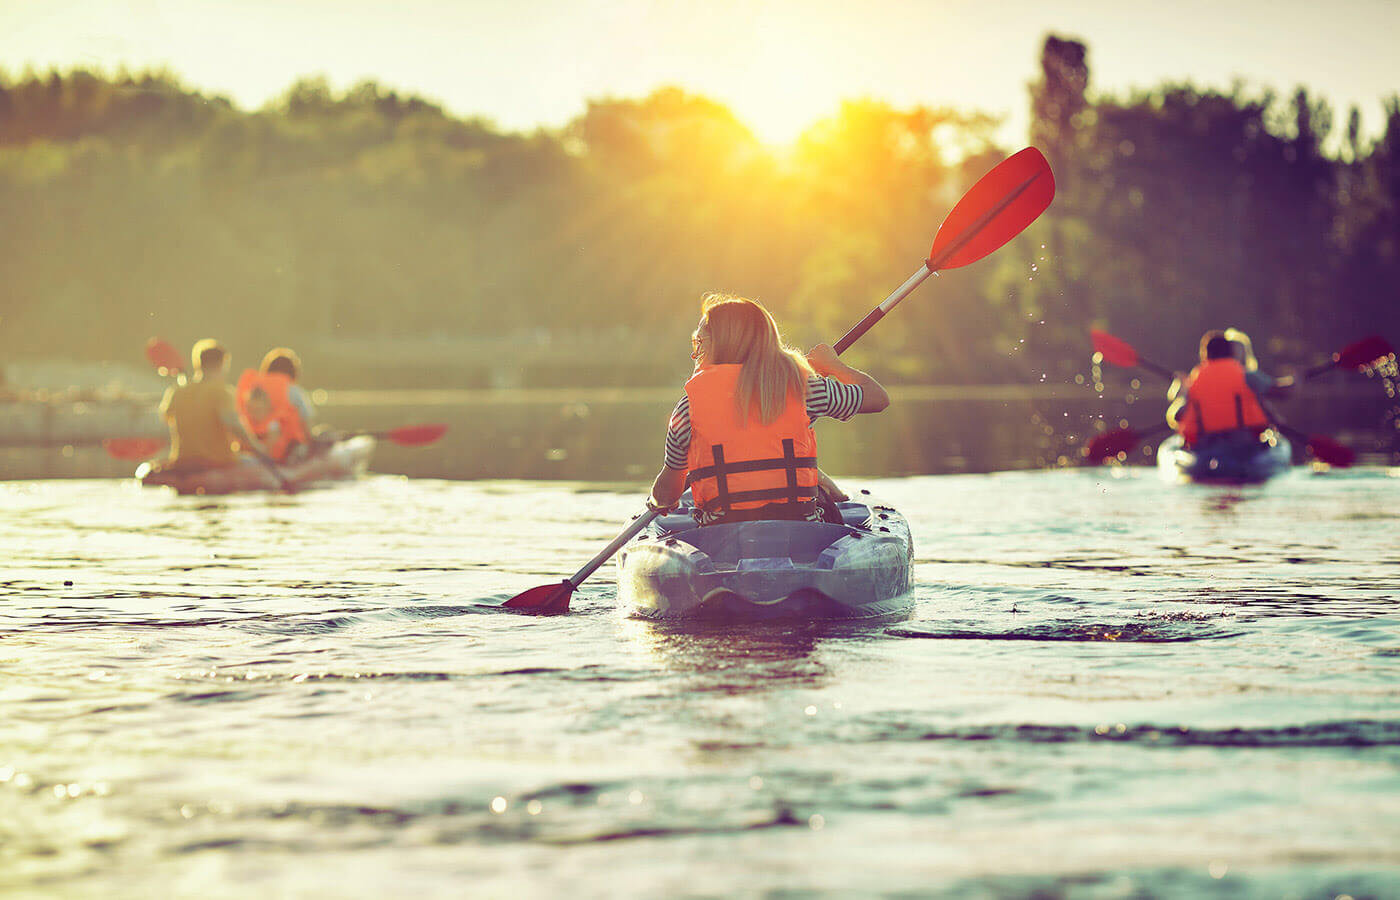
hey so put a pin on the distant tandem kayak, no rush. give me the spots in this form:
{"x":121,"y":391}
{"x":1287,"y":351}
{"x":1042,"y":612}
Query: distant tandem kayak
{"x":749,"y":571}
{"x":1230,"y":459}
{"x":342,"y":461}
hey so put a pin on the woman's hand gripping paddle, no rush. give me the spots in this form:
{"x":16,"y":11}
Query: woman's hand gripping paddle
{"x":996,"y":209}
{"x":1119,"y":352}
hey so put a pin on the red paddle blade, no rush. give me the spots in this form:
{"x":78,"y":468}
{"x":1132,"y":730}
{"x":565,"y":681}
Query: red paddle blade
{"x":416,"y":435}
{"x":997,"y":208}
{"x":1114,"y":350}
{"x":164,"y":357}
{"x":1335,"y":454}
{"x":545,"y":600}
{"x":1111,"y":443}
{"x":132,"y":448}
{"x":1366,"y":352}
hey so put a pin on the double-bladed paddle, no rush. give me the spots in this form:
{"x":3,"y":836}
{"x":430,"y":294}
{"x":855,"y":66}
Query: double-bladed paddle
{"x":1121,"y":353}
{"x":996,"y":209}
{"x":1368,"y":351}
{"x":1357,"y":355}
{"x":136,"y":448}
{"x":1115,"y":350}
{"x":407,"y":435}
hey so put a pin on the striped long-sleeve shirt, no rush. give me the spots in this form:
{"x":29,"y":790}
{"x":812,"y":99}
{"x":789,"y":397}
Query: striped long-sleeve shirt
{"x":825,"y":397}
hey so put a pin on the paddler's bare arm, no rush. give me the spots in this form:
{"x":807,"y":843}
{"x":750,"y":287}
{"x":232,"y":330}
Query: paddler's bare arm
{"x":668,"y":487}
{"x":824,"y":361}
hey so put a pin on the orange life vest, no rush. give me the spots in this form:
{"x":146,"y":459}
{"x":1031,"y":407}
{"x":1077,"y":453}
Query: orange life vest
{"x":738,"y":462}
{"x":1219,"y":399}
{"x":290,"y":431}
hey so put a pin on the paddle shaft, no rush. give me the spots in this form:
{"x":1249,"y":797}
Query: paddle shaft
{"x":885,"y":306}
{"x":931,"y":265}
{"x":1159,"y":370}
{"x":1154,"y":432}
{"x":606,"y":553}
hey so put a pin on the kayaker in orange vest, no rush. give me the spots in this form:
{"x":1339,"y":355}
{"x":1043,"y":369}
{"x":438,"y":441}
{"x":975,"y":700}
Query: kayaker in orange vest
{"x":205,"y":431}
{"x":1221,"y":397}
{"x":274,"y":407}
{"x":742,"y":435}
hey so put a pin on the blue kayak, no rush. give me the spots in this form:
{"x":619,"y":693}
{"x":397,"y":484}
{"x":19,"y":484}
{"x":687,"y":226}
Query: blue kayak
{"x":1233,"y":458}
{"x":859,"y":568}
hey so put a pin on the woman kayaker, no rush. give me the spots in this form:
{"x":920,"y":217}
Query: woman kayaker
{"x":742,"y":436}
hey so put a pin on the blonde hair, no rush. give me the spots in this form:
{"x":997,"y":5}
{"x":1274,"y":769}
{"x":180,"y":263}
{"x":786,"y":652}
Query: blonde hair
{"x":739,"y":330}
{"x":283,"y":360}
{"x":1234,"y":335}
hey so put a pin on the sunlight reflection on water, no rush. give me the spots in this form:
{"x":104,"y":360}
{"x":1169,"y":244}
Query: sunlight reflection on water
{"x":1139,"y":687}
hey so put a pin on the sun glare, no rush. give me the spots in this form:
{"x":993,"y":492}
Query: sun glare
{"x":778,"y":121}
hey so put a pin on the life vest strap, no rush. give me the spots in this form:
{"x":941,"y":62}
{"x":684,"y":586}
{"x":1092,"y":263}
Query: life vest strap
{"x":720,"y":471}
{"x":752,"y":465}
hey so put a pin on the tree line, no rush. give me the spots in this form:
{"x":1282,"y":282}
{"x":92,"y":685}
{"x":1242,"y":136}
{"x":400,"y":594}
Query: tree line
{"x":134,"y":205}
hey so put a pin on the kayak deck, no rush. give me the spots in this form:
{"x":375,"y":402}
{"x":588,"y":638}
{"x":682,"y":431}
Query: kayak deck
{"x":763,"y":570}
{"x":1231,"y":459}
{"x":342,"y":461}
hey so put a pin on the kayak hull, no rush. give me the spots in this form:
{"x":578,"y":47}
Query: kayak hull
{"x":1238,"y":459}
{"x":342,"y":461}
{"x":770,"y":570}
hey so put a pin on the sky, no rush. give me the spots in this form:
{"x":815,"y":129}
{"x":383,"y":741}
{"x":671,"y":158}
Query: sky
{"x":779,"y":64}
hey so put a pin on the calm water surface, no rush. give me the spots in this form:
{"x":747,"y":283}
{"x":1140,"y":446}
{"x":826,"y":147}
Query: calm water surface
{"x":1109,"y":687}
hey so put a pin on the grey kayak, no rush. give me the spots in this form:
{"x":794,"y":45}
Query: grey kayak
{"x":755,"y":571}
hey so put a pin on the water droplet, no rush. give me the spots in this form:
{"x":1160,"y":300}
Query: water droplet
{"x":498,"y":805}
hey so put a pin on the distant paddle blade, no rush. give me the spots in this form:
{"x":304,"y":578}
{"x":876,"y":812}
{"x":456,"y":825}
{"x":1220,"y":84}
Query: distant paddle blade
{"x":545,"y":600}
{"x":132,"y":448}
{"x":1111,"y":443}
{"x":1114,"y":350}
{"x":1366,"y":352}
{"x":416,"y":435}
{"x":1335,"y":454}
{"x":997,"y":208}
{"x":161,"y":354}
